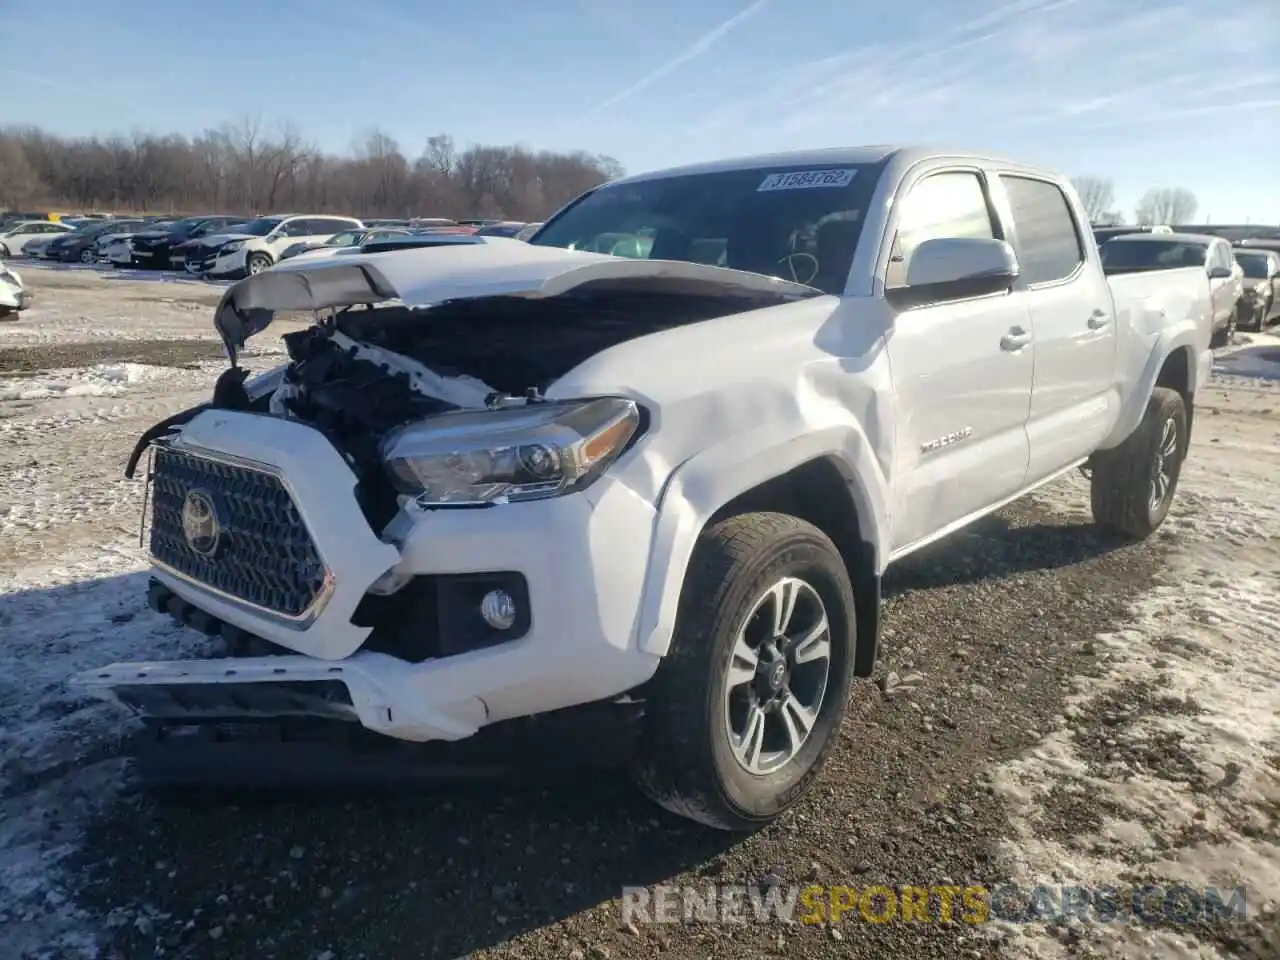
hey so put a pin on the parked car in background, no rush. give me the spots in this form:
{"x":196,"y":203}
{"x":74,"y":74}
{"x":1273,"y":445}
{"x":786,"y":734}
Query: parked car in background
{"x":14,"y":297}
{"x":155,"y":247}
{"x":181,"y":253}
{"x":258,"y":244}
{"x":116,"y":246}
{"x":1141,"y":252}
{"x":528,"y":230}
{"x":38,"y":247}
{"x":1103,"y":234}
{"x":507,"y":228}
{"x":1261,"y":285}
{"x":343,"y":239}
{"x":1235,"y":232}
{"x":15,"y":236}
{"x":457,"y":228}
{"x":421,"y":222}
{"x":79,"y":245}
{"x":385,"y":242}
{"x":479,"y":222}
{"x":1257,"y":243}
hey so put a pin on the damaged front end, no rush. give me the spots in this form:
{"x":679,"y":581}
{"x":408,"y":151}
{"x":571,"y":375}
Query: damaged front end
{"x":337,"y":527}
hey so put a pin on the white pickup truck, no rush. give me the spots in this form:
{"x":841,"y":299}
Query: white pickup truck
{"x":512,"y":480}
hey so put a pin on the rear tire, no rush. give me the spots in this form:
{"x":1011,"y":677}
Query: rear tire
{"x":1133,"y":485}
{"x":725,"y":740}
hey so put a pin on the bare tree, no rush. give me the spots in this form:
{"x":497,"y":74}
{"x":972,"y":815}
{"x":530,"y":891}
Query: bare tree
{"x":1166,"y":205}
{"x":1096,"y":194}
{"x":19,"y":184}
{"x":245,"y":167}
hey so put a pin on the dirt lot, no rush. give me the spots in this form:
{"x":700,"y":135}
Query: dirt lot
{"x":1066,"y":711}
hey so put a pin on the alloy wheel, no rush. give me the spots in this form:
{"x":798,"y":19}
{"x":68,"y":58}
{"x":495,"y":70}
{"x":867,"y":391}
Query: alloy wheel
{"x":777,"y":676}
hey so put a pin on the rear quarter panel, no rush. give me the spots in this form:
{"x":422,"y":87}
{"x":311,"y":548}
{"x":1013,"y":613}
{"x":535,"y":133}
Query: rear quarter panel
{"x":1159,"y":313}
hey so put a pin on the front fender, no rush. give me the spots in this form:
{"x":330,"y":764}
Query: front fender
{"x":701,"y":485}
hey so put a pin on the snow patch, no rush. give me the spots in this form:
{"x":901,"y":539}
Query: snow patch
{"x":84,"y":611}
{"x":1175,"y":750}
{"x":99,"y":380}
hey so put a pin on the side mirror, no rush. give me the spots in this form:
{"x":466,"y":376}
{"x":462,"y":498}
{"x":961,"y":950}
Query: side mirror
{"x":952,"y":268}
{"x":1219,"y":273}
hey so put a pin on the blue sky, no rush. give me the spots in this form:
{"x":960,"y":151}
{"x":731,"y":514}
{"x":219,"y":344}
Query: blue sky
{"x":1145,"y":92}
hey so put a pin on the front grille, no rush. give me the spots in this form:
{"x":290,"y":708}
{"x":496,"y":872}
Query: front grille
{"x":257,"y":549}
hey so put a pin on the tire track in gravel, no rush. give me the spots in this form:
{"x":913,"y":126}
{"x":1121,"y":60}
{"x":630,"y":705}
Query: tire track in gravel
{"x":996,"y":619}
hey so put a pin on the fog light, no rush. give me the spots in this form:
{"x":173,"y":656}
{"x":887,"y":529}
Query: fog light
{"x":498,"y":609}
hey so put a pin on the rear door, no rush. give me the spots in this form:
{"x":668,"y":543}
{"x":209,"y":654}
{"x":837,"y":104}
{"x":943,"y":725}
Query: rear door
{"x":1073,"y":320}
{"x":961,"y":371}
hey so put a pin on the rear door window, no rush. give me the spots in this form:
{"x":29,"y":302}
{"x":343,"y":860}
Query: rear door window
{"x":1049,"y":243}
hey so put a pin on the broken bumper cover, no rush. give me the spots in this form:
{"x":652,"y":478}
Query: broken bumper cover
{"x":580,"y":646}
{"x":368,"y":688}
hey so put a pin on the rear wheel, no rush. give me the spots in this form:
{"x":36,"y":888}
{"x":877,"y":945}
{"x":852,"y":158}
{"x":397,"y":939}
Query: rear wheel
{"x":1132,"y":485}
{"x":748,"y":702}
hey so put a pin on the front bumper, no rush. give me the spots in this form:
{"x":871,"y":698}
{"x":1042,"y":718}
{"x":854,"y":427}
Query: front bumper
{"x":225,"y":267}
{"x":582,"y":557}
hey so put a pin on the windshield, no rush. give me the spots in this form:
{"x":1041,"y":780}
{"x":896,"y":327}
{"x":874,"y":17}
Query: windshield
{"x":796,"y":223}
{"x":1254,"y":265}
{"x":183,"y":226}
{"x":1122,"y":255}
{"x":260,"y":227}
{"x":345,"y":238}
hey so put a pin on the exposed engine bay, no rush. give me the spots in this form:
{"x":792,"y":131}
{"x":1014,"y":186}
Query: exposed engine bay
{"x":360,"y":372}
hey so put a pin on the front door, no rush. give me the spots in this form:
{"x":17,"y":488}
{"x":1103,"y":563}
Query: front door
{"x":1073,"y":320}
{"x":961,"y":370}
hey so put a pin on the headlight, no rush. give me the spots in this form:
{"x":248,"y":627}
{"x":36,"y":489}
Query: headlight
{"x":230,"y":247}
{"x":520,"y":453}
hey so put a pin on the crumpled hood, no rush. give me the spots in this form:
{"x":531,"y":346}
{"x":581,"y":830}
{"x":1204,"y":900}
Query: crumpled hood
{"x":499,"y":267}
{"x":213,"y":241}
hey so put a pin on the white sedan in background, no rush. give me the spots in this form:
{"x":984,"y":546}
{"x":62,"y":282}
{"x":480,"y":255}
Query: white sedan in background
{"x":16,"y":236}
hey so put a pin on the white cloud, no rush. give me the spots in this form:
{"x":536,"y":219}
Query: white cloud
{"x":695,"y":50}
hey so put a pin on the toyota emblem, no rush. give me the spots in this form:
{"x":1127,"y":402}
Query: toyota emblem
{"x":200,"y":523}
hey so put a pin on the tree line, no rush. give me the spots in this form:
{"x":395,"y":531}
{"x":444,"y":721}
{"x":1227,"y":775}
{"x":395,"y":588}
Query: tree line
{"x":1158,"y":205}
{"x":245,"y":168}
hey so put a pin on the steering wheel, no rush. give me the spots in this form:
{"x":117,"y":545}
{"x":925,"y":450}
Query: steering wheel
{"x":790,"y":264}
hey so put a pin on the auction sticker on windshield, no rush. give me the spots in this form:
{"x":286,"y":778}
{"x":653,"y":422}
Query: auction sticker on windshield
{"x":806,"y":179}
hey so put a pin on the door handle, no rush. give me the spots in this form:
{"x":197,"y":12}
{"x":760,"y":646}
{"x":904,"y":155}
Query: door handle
{"x":1099,"y":319}
{"x":1015,"y":339}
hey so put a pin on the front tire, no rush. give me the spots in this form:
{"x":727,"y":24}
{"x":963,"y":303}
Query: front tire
{"x":86,"y":256}
{"x":748,"y":702}
{"x":1133,"y":485}
{"x":256,"y":263}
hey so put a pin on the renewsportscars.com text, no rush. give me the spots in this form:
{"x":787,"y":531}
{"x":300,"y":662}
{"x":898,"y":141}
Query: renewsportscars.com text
{"x":937,"y":903}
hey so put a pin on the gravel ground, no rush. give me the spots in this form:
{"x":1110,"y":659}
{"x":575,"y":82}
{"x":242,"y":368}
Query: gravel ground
{"x":1010,"y":641}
